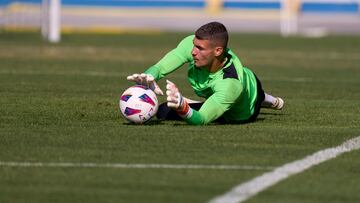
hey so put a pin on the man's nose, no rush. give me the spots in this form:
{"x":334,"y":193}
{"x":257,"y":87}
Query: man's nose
{"x":193,"y":52}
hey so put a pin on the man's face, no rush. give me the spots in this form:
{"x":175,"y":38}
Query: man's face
{"x":203,"y":52}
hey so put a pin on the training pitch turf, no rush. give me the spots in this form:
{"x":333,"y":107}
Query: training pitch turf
{"x":59,"y":104}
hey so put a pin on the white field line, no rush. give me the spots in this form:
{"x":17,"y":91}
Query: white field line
{"x":127,"y":166}
{"x":249,"y":189}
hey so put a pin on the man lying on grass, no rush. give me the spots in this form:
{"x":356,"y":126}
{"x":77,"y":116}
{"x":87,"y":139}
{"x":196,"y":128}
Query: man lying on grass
{"x":233,"y":93}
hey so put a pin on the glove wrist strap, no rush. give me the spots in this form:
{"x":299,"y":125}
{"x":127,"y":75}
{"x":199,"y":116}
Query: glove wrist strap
{"x":184,"y":111}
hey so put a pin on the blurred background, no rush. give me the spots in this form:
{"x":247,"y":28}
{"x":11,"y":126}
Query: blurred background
{"x":314,"y":18}
{"x":59,"y":101}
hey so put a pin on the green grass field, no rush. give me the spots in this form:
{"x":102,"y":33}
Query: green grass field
{"x":59,"y":104}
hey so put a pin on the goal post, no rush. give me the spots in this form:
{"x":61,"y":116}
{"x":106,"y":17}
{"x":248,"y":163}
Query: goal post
{"x":51,"y":20}
{"x":289,"y":12}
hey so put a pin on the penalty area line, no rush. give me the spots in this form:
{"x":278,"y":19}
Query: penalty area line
{"x":134,"y":166}
{"x":250,"y":188}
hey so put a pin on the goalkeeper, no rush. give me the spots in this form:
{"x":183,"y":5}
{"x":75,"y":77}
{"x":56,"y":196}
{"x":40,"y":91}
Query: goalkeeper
{"x":233,"y":93}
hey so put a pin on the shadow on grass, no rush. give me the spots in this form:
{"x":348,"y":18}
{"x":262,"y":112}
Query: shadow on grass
{"x":151,"y":122}
{"x":183,"y":123}
{"x":272,"y":114}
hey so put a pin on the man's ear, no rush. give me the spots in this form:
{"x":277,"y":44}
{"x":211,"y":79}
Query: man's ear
{"x":218,"y":51}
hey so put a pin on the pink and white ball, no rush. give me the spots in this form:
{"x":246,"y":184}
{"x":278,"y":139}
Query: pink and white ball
{"x":138,"y":104}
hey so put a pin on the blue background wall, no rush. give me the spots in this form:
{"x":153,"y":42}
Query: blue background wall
{"x":331,"y":6}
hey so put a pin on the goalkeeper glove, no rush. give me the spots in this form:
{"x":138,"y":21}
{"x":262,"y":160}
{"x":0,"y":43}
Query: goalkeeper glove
{"x":176,"y":101}
{"x":147,"y":81}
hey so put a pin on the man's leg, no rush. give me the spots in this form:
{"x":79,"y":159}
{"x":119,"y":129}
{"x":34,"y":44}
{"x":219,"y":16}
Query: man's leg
{"x":265,"y":100}
{"x":272,"y":102}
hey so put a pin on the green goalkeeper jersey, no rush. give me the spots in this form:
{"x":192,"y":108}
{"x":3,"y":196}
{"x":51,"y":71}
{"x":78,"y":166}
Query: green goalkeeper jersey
{"x":230,"y":92}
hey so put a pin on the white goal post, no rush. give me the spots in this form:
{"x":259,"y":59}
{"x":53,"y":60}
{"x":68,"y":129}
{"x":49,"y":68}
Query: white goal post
{"x":289,"y":12}
{"x":51,"y":20}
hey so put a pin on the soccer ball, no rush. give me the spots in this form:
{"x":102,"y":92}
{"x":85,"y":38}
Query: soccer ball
{"x":138,"y":104}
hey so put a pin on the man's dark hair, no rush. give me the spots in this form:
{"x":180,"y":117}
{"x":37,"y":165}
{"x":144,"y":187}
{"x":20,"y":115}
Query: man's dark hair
{"x":215,"y":32}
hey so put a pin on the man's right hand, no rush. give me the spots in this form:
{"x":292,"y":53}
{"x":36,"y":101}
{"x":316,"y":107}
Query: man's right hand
{"x":147,"y":81}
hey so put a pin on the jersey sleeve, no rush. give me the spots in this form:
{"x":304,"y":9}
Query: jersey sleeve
{"x":216,"y":105}
{"x":173,"y":59}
